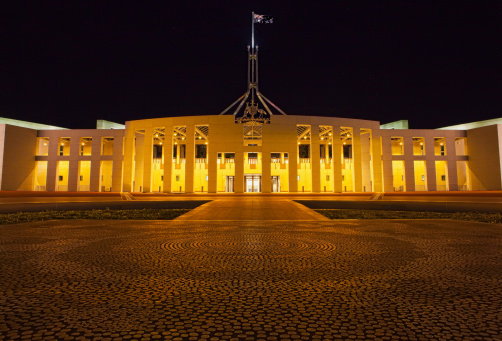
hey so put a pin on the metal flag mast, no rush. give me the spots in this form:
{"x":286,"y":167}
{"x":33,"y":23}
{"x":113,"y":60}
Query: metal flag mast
{"x":251,"y":111}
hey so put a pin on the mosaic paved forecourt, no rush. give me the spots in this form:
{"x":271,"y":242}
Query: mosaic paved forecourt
{"x":243,"y":280}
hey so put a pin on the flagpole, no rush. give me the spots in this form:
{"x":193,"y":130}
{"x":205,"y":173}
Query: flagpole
{"x":252,"y":30}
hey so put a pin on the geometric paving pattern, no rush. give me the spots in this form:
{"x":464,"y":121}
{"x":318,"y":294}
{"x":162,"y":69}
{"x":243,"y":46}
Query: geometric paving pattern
{"x":318,"y":280}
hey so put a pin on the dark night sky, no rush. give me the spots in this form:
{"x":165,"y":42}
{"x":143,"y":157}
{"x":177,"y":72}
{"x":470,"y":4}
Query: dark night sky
{"x":69,"y":63}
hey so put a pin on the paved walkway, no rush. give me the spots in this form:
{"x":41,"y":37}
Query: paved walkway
{"x":251,"y":280}
{"x":252,"y":208}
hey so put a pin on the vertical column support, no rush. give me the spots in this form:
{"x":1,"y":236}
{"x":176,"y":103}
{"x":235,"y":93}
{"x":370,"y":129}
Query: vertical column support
{"x":73,"y":163}
{"x":128,"y":159}
{"x":190,"y":158}
{"x":337,"y":159}
{"x":315,"y":158}
{"x":430,"y":163}
{"x":376,"y":159}
{"x":95,"y":167}
{"x":409,"y":164}
{"x":388,"y":175}
{"x":52,"y":163}
{"x":167,"y":155}
{"x":356,"y":157}
{"x":212,"y":170}
{"x":266,"y":171}
{"x":117,"y":166}
{"x":239,"y":171}
{"x":451,"y":164}
{"x":147,"y":160}
{"x":293,"y":163}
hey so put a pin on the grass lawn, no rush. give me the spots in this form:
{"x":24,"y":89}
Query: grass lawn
{"x":494,"y":218}
{"x":144,"y":214}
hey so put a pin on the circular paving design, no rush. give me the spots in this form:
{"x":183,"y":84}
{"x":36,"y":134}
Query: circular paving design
{"x":369,"y":280}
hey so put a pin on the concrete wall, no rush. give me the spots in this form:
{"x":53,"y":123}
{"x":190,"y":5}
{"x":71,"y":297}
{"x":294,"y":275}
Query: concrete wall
{"x":18,"y":164}
{"x":484,"y":149}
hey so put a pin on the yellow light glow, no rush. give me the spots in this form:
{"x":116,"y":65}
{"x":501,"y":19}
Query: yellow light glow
{"x":174,"y":134}
{"x":344,"y":143}
{"x":83,"y":143}
{"x":160,"y":143}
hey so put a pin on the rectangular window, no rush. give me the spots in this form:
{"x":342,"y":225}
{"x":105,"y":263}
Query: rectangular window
{"x":330,"y":153}
{"x":60,"y":178}
{"x":42,"y":146}
{"x":252,"y":155}
{"x":327,"y":177}
{"x":177,"y":178}
{"x":229,"y":155}
{"x":200,"y":151}
{"x":298,"y":178}
{"x":207,"y":177}
{"x":182,"y":151}
{"x":275,"y":155}
{"x":175,"y":151}
{"x":304,"y":151}
{"x":81,"y":178}
{"x":343,"y":177}
{"x":286,"y":155}
{"x":322,"y":151}
{"x":162,"y":178}
{"x":347,"y":151}
{"x":107,"y":145}
{"x":423,"y":177}
{"x":443,"y":177}
{"x":64,"y":146}
{"x":157,"y":151}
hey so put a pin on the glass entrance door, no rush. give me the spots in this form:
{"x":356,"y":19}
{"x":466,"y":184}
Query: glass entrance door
{"x":276,"y":184}
{"x":229,"y":184}
{"x":253,"y":183}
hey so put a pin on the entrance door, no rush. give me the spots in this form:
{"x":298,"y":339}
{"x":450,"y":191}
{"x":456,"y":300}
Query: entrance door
{"x":276,"y":184}
{"x":253,"y":183}
{"x":229,"y":184}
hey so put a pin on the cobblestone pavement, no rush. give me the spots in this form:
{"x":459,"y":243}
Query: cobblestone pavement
{"x":322,"y":280}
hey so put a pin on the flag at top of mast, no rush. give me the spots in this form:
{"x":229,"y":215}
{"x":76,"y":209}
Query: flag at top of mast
{"x":262,"y":19}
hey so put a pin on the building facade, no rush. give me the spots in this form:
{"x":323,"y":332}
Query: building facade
{"x":216,"y":154}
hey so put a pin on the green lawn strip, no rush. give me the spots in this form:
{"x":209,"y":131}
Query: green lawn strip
{"x":143,"y":214}
{"x":494,"y":218}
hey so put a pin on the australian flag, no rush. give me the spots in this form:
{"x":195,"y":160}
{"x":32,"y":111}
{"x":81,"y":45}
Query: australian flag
{"x":262,"y":19}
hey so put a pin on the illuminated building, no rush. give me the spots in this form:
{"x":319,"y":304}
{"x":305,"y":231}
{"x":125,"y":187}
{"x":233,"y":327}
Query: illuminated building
{"x":213,"y":154}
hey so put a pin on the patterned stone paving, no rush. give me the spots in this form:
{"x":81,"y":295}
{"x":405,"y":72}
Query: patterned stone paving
{"x":352,"y":280}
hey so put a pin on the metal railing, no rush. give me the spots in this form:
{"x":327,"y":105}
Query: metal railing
{"x":83,"y":188}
